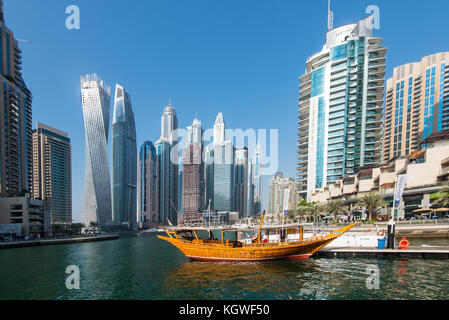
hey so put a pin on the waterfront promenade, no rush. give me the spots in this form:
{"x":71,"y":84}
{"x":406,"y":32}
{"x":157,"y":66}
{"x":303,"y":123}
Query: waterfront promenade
{"x":411,"y":252}
{"x":48,"y":242}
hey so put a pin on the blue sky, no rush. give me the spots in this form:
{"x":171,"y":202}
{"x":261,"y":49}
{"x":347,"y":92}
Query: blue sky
{"x":239,"y":57}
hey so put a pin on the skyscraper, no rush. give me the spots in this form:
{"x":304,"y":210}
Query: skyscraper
{"x":223,"y":168}
{"x":168,"y":168}
{"x":124,"y":161}
{"x":278,"y":185}
{"x":209,"y":177}
{"x":241,"y":181}
{"x":52,"y":171}
{"x":95,"y":97}
{"x":416,"y":105}
{"x":193,"y":171}
{"x":251,"y":187}
{"x":169,"y":123}
{"x":257,"y":180}
{"x":16,"y":146}
{"x":340,"y":107}
{"x":147,"y":186}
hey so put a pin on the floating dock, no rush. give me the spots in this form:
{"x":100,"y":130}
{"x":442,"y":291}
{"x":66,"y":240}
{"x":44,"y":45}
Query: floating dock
{"x":49,"y":242}
{"x":411,"y":252}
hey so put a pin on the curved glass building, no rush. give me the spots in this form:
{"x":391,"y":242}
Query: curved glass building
{"x":97,"y":186}
{"x":124,"y":161}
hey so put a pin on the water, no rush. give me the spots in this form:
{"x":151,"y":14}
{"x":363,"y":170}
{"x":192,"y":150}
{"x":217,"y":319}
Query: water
{"x":147,"y":268}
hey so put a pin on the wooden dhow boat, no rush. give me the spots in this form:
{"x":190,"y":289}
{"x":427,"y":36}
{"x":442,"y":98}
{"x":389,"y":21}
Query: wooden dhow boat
{"x":285,"y":247}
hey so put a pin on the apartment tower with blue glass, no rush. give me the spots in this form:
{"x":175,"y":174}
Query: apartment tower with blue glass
{"x":124,"y":161}
{"x":417,"y":104}
{"x":223,"y":168}
{"x":340,"y":107}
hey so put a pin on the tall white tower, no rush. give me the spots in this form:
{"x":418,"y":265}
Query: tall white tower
{"x":97,"y":185}
{"x":219,"y":129}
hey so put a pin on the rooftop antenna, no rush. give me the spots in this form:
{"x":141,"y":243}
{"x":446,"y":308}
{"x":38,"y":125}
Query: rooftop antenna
{"x":330,"y":17}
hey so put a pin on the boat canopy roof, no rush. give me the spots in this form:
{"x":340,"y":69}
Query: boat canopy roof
{"x":233,"y":229}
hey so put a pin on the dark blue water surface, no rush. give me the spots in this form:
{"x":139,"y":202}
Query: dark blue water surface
{"x":145,"y":267}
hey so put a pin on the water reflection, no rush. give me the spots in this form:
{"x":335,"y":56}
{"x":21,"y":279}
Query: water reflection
{"x":147,"y":268}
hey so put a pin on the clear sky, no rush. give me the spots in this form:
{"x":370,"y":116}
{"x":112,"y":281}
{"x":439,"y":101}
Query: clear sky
{"x":239,"y":57}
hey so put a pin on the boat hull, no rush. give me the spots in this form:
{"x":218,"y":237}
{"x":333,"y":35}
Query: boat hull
{"x":217,"y":253}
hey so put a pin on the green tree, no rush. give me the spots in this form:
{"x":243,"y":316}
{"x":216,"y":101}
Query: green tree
{"x":304,"y":209}
{"x":372,"y":202}
{"x":335,"y":207}
{"x":92,"y":227}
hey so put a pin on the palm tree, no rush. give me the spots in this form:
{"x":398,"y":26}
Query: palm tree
{"x":372,"y":202}
{"x":304,"y":209}
{"x":443,"y":196}
{"x":335,"y":207}
{"x":93,"y":227}
{"x":316,"y":209}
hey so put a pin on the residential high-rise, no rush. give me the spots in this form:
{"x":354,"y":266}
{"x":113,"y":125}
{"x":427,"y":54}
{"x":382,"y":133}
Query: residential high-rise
{"x":147,"y":186}
{"x":193,"y":175}
{"x":223,"y":168}
{"x":169,"y":123}
{"x":278,"y":185}
{"x":124,"y":161}
{"x":168,"y":197}
{"x":168,"y":167}
{"x":257,"y":180}
{"x":340,"y":107}
{"x":52,"y":172}
{"x":417,"y":104}
{"x":96,"y":103}
{"x":209,"y":177}
{"x":251,"y":187}
{"x":241,"y":181}
{"x":219,"y":129}
{"x":16,"y":146}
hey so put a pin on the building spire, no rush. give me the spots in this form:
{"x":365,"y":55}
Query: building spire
{"x":330,"y":17}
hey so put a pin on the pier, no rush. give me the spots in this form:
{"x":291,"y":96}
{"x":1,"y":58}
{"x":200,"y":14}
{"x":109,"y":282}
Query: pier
{"x":411,"y":252}
{"x":48,"y":242}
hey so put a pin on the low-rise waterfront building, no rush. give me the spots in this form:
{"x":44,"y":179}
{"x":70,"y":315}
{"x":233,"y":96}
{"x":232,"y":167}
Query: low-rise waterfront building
{"x":427,"y":169}
{"x":32,"y":215}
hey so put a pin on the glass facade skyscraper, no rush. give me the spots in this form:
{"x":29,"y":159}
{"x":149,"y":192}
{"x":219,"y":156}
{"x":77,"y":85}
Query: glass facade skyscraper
{"x":415,"y":105}
{"x":124,"y":161}
{"x":148,"y":186}
{"x":257,"y":180}
{"x":96,"y":103}
{"x":16,"y":146}
{"x":241,"y":181}
{"x":168,"y":171}
{"x":340,"y":107}
{"x":209,"y":177}
{"x":223,"y":168}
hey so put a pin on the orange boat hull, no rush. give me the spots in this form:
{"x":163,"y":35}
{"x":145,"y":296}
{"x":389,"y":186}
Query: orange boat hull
{"x":221,"y":252}
{"x":217,"y":251}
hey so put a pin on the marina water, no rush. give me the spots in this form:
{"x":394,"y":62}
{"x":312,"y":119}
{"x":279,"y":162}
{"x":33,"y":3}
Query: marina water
{"x":145,"y":267}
